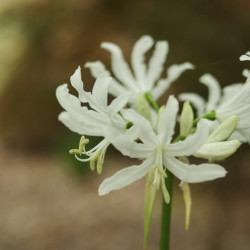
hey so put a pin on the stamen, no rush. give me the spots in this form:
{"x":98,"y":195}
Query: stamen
{"x":161,"y":170}
{"x":188,"y":202}
{"x":81,"y":147}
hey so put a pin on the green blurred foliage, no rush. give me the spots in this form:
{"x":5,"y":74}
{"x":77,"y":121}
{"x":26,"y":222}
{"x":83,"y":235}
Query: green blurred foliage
{"x":42,"y":43}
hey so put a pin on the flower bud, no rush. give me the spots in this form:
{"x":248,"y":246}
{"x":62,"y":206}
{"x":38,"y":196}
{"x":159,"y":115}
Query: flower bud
{"x":224,"y":130}
{"x":186,"y":119}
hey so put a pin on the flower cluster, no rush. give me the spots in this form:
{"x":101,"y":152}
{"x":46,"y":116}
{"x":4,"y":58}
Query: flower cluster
{"x":136,"y":126}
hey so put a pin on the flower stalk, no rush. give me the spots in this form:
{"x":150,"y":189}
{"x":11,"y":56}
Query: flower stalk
{"x":166,"y":215}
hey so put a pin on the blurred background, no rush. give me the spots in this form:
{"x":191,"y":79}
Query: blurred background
{"x":48,"y":200}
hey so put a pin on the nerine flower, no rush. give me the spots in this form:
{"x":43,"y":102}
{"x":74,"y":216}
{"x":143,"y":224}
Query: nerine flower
{"x":233,"y":100}
{"x":159,"y":153}
{"x":143,"y":78}
{"x":91,"y":121}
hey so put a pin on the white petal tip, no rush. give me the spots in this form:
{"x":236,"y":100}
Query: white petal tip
{"x":245,"y":57}
{"x":189,"y":65}
{"x":108,"y":45}
{"x":102,"y":192}
{"x":206,"y":77}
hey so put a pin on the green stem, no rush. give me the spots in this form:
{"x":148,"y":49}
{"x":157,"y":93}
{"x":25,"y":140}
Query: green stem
{"x":166,"y":215}
{"x":151,"y":100}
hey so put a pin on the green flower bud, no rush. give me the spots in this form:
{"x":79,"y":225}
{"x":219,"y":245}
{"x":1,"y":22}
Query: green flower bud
{"x":186,"y":119}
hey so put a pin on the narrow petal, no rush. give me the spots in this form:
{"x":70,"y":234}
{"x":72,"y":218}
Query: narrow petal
{"x":191,"y":144}
{"x":138,"y":59}
{"x":193,"y":173}
{"x":245,"y":133}
{"x":124,"y":142}
{"x":98,"y":99}
{"x":167,"y":119}
{"x":230,"y":91}
{"x":156,"y":62}
{"x":119,"y":66}
{"x":145,"y":130}
{"x":96,"y":68}
{"x":67,"y":101}
{"x":100,"y":89}
{"x":78,"y":126}
{"x":197,"y":101}
{"x":117,"y":89}
{"x":173,"y":73}
{"x":214,"y":90}
{"x":239,"y":137}
{"x":77,"y":83}
{"x":246,"y":73}
{"x":245,"y":57}
{"x":124,"y":177}
{"x":118,"y":103}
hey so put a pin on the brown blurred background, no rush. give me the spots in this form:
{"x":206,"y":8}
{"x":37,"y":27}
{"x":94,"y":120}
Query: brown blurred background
{"x":48,"y":199}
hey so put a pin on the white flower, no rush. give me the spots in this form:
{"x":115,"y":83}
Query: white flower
{"x":233,"y":100}
{"x":91,"y":121}
{"x":159,"y":153}
{"x":144,"y":78}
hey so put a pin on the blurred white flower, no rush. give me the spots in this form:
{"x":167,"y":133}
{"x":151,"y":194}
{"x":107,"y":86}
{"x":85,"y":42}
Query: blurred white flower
{"x":144,"y":78}
{"x":233,"y":100}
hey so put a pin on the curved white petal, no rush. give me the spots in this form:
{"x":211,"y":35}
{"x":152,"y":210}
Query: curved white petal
{"x":117,"y":89}
{"x":77,"y":83}
{"x":118,"y":103}
{"x":167,"y":120}
{"x":240,"y":137}
{"x":193,"y":173}
{"x":67,"y":101}
{"x":138,"y":59}
{"x":173,"y":73}
{"x":214,"y":90}
{"x":100,"y":89}
{"x":196,"y":100}
{"x":119,"y":66}
{"x":156,"y":62}
{"x":145,"y":130}
{"x":217,"y":151}
{"x":124,"y":177}
{"x":245,"y":133}
{"x":96,"y":68}
{"x":245,"y":57}
{"x":78,"y":126}
{"x":98,"y":99}
{"x":230,"y":91}
{"x":124,"y":142}
{"x":238,"y":105}
{"x":246,"y":73}
{"x":191,"y":144}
